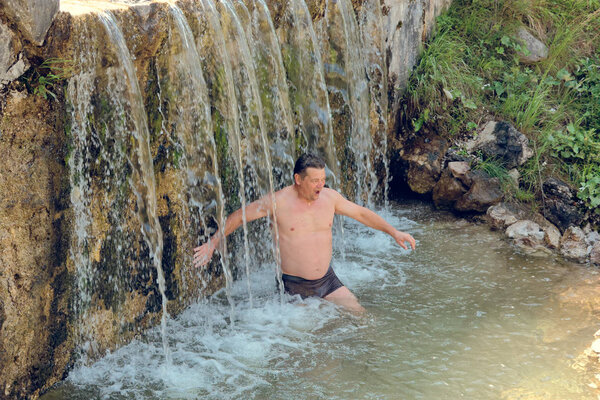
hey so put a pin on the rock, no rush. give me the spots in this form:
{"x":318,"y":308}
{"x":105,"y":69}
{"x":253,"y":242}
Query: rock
{"x":12,"y":62}
{"x":595,"y":254}
{"x":500,"y":140}
{"x":526,"y":230}
{"x":448,"y":190}
{"x":536,"y":49}
{"x":552,"y":236}
{"x":500,"y":216}
{"x":483,"y":193}
{"x":424,"y":157}
{"x":573,"y":245}
{"x":596,"y":346}
{"x":592,"y":237}
{"x":32,"y":17}
{"x":515,"y":176}
{"x":458,"y":169}
{"x":560,"y":206}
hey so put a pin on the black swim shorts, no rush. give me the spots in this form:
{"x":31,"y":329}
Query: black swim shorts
{"x":312,"y":287}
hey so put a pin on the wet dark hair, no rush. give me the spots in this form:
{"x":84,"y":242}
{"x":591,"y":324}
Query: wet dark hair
{"x":308,"y":160}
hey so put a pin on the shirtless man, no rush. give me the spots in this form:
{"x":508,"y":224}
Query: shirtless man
{"x":304,"y":214}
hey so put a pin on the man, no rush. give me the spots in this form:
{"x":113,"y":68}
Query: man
{"x":304,"y":214}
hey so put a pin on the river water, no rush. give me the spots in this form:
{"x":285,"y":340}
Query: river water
{"x":463,"y":316}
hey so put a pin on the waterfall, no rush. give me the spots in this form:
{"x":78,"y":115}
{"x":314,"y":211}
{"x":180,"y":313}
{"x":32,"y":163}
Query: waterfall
{"x":229,"y":99}
{"x":270,"y":73}
{"x":225,"y":111}
{"x":257,"y":160}
{"x":142,"y":179}
{"x":348,"y":94}
{"x":308,"y":93}
{"x":195,"y":130}
{"x":374,"y":55}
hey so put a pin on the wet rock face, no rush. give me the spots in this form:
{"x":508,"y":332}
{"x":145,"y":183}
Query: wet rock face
{"x":560,"y":204}
{"x":34,"y":289}
{"x":32,"y":17}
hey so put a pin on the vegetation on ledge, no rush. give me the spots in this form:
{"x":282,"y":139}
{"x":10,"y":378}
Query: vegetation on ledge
{"x":471,"y":72}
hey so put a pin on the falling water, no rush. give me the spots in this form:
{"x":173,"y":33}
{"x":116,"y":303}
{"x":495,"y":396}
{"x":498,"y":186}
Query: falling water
{"x":261,"y":91}
{"x":308,"y":93}
{"x":270,"y":73}
{"x":225,"y":114}
{"x":348,"y":94}
{"x":142,"y":180}
{"x":257,"y":159}
{"x":79,"y":91}
{"x":374,"y":55}
{"x":195,"y":131}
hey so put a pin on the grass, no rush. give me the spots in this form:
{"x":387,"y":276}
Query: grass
{"x":470,"y":71}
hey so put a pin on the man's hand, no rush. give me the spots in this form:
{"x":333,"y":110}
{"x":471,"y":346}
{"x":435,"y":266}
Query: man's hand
{"x":401,"y":238}
{"x":204,"y":253}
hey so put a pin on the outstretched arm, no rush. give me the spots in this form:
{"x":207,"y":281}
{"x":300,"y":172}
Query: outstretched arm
{"x":372,"y":220}
{"x":255,"y":210}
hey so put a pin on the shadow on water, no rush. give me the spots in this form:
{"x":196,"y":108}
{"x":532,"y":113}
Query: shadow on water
{"x":464,"y":316}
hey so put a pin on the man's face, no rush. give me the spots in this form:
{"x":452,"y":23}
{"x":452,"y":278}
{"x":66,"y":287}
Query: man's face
{"x":311,"y":184}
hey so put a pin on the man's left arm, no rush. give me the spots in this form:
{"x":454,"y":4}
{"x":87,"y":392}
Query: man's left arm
{"x":372,"y":220}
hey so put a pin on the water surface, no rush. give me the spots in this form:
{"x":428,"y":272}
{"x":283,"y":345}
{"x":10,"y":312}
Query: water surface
{"x":463,"y":316}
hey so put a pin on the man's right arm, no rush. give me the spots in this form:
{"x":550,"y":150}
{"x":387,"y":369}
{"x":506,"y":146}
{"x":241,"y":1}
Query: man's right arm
{"x":255,"y":210}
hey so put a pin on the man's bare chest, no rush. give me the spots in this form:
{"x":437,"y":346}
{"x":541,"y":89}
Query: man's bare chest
{"x":300,"y":219}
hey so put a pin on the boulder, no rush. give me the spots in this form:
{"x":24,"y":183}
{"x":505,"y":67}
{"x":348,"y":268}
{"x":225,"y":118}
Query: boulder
{"x":12,"y":62}
{"x":483,"y":193}
{"x":32,"y":17}
{"x":536,"y":49}
{"x":573,"y":245}
{"x":424,"y":157}
{"x":560,"y":204}
{"x":448,"y":190}
{"x":527,"y":235}
{"x":502,"y":215}
{"x":595,"y":254}
{"x":501,"y":141}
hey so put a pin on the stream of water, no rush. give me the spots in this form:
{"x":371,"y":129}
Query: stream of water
{"x":463,"y":316}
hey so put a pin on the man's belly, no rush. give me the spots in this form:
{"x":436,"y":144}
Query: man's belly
{"x":305,"y":255}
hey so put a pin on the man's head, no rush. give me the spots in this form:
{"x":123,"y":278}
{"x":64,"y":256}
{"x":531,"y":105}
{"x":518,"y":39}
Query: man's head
{"x":309,"y":176}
